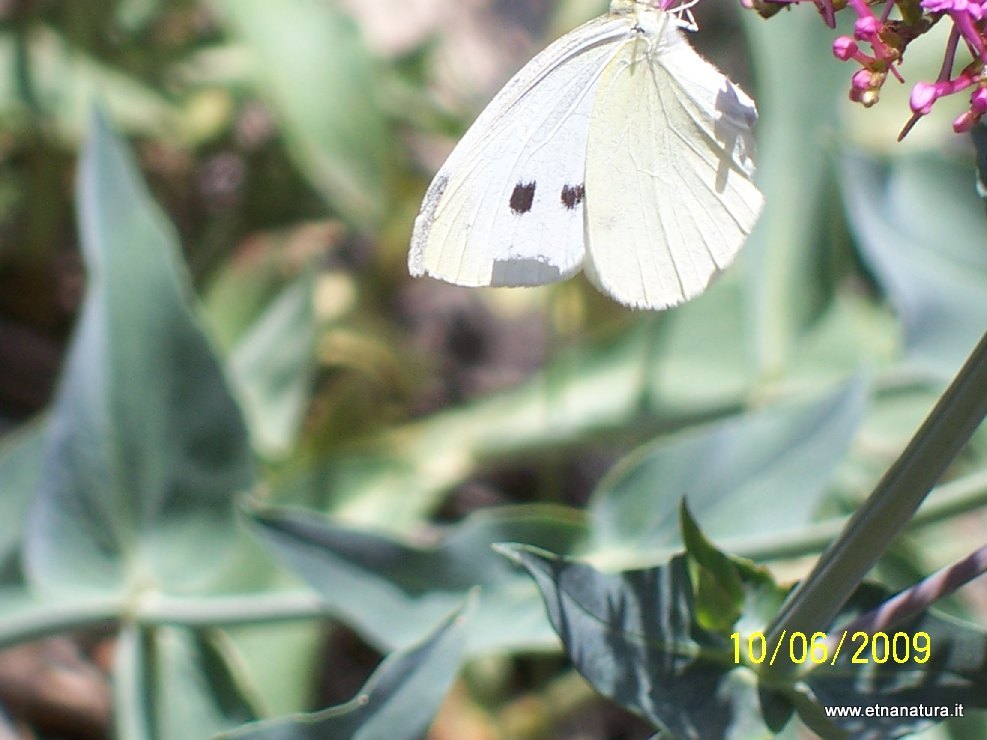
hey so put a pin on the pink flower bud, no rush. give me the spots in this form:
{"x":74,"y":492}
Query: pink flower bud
{"x":867,"y":27}
{"x":861,"y":80}
{"x":978,"y":101}
{"x":923,"y":97}
{"x":844,"y":48}
{"x":964,"y":122}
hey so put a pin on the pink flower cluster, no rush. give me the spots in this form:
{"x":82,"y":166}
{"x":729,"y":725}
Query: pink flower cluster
{"x":878,"y":45}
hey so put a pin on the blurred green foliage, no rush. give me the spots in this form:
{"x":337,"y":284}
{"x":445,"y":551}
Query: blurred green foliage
{"x":293,"y":431}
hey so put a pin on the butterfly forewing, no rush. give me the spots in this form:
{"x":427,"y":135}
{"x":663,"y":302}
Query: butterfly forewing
{"x":507,"y":206}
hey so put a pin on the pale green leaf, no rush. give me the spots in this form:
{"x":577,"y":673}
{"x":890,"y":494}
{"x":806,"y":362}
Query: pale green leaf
{"x":920,"y":226}
{"x":314,"y":69}
{"x":145,"y":447}
{"x":731,"y":473}
{"x":398,"y":701}
{"x":392,"y":591}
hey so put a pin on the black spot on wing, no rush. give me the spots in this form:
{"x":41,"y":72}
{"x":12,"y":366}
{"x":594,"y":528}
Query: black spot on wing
{"x":572,"y":195}
{"x":522,"y":197}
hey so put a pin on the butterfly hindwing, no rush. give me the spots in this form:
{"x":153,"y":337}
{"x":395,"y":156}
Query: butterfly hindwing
{"x":670,"y":197}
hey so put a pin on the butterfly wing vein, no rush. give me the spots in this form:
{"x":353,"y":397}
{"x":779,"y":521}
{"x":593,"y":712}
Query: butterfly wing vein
{"x":617,"y":150}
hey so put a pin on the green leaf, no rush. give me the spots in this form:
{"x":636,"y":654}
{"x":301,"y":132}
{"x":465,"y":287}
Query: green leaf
{"x":244,"y":288}
{"x":171,"y":683}
{"x":398,"y":701}
{"x":633,"y":636}
{"x":20,"y":470}
{"x":696,"y":357}
{"x":65,"y":81}
{"x":719,"y":591}
{"x":391,"y":591}
{"x":731,"y":593}
{"x":315,"y":71}
{"x":281,"y":662}
{"x":920,"y":226}
{"x":736,"y":475}
{"x":273,"y":366}
{"x":194,"y":693}
{"x":852,"y":332}
{"x":145,"y":446}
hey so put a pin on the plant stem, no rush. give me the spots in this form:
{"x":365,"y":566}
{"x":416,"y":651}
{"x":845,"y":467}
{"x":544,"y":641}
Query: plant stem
{"x":946,"y":501}
{"x":224,"y":611}
{"x":867,"y":536}
{"x":34,"y":620}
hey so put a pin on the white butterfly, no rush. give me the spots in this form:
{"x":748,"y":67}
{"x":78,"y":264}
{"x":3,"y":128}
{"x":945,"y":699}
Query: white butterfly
{"x":617,"y":149}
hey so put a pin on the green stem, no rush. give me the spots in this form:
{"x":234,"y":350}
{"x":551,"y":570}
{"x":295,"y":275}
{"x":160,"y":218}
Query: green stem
{"x":867,"y":536}
{"x":38,"y":619}
{"x":225,"y":611}
{"x":946,"y":501}
{"x":35,"y":620}
{"x":779,"y":255}
{"x":129,"y":686}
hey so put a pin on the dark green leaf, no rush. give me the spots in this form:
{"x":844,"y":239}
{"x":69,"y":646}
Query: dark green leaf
{"x":633,"y":636}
